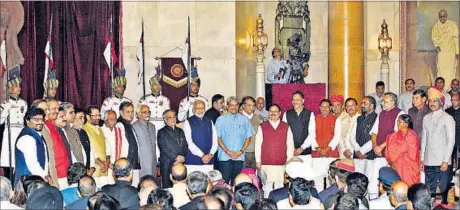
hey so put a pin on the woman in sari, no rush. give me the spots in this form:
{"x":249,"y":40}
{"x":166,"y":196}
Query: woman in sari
{"x":403,"y":151}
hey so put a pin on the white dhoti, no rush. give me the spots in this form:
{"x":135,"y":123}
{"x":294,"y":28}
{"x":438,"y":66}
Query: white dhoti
{"x":321,"y":167}
{"x":361,"y":166}
{"x":136,"y":178}
{"x":373,"y":177}
{"x":5,"y":153}
{"x":203,"y":168}
{"x":275,"y":178}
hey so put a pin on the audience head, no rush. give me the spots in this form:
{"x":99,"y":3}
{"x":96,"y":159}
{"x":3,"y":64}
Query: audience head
{"x":69,"y":111}
{"x":178,"y":173}
{"x":387,"y":176}
{"x":249,"y":104}
{"x":419,"y":197}
{"x":197,"y":184}
{"x":368,"y":105}
{"x":6,"y":190}
{"x":86,"y":186}
{"x":357,"y":184}
{"x":127,"y":111}
{"x":380,"y":88}
{"x":199,"y":108}
{"x":19,"y":196}
{"x":246,"y":195}
{"x":337,"y":104}
{"x":332,"y":170}
{"x":151,"y":207}
{"x":242,"y":178}
{"x":298,"y":100}
{"x":143,"y":112}
{"x":122,"y":170}
{"x":214,"y":175}
{"x":440,"y":82}
{"x":161,"y":197}
{"x":34,"y":118}
{"x":45,"y":198}
{"x":39,"y":103}
{"x":169,"y":116}
{"x":80,"y":118}
{"x":209,"y":202}
{"x":389,"y":101}
{"x":93,"y":115}
{"x":351,"y":105}
{"x":110,"y":118}
{"x":102,"y":201}
{"x":264,"y":204}
{"x":346,"y":201}
{"x":75,"y":172}
{"x":274,"y":112}
{"x":53,"y":105}
{"x":454,"y":85}
{"x":398,"y":193}
{"x":233,"y":105}
{"x":325,"y":107}
{"x":147,"y":181}
{"x":225,"y":196}
{"x":419,"y":98}
{"x":260,"y":103}
{"x":409,"y":84}
{"x":33,"y":183}
{"x":300,"y":191}
{"x":218,"y":102}
{"x":344,"y":168}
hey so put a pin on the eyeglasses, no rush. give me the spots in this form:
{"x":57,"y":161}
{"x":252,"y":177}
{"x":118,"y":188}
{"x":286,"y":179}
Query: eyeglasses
{"x":38,"y":119}
{"x":146,"y":112}
{"x":95,"y":115}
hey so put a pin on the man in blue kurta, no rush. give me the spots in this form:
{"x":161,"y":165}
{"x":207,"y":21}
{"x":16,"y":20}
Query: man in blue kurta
{"x":201,"y":137}
{"x":234,"y":132}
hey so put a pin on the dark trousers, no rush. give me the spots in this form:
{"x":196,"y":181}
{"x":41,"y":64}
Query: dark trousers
{"x":230,"y":169}
{"x":433,"y":175}
{"x":165,"y":169}
{"x":250,"y":160}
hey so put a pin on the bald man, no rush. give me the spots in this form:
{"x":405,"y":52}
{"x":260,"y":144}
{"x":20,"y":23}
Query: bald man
{"x":445,"y":39}
{"x":86,"y":188}
{"x":201,"y":137}
{"x":260,"y":109}
{"x":178,"y":177}
{"x":122,"y":189}
{"x":398,"y":195}
{"x":147,"y":138}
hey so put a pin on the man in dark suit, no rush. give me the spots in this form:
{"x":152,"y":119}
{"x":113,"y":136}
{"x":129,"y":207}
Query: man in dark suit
{"x":173,"y":146}
{"x":197,"y":186}
{"x":122,"y":189}
{"x":86,"y":188}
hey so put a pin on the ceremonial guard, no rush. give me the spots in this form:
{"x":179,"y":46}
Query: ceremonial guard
{"x":15,"y":108}
{"x":156,"y":102}
{"x":113,"y":102}
{"x":50,"y":86}
{"x":186,"y":104}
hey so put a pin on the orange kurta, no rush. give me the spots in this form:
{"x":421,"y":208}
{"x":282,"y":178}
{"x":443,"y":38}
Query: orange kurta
{"x":324,"y":133}
{"x":403,"y":155}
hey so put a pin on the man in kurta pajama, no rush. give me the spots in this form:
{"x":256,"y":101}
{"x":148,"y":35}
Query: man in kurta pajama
{"x":249,"y":105}
{"x":361,"y":139}
{"x":98,"y":146}
{"x":201,"y":137}
{"x":146,"y":135}
{"x":274,"y":146}
{"x":438,"y":141}
{"x":124,"y":123}
{"x":302,"y":124}
{"x":115,"y":141}
{"x":386,"y":123}
{"x":445,"y":39}
{"x":418,"y":111}
{"x":405,"y":98}
{"x":328,"y":133}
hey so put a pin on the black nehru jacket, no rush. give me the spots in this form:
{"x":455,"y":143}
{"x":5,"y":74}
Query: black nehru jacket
{"x":363,"y":127}
{"x":299,"y":127}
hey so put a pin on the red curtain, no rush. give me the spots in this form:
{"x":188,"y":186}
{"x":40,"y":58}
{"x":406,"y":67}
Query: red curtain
{"x":281,"y":94}
{"x":79,"y":31}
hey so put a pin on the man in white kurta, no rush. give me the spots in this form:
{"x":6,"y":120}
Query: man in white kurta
{"x":348,"y":122}
{"x":445,"y":39}
{"x":274,"y":149}
{"x":405,"y":98}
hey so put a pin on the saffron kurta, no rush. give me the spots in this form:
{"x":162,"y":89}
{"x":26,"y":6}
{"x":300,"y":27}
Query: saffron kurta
{"x":96,"y":137}
{"x":403,"y":155}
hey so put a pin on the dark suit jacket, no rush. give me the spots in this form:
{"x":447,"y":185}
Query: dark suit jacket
{"x":283,"y":193}
{"x":192,"y":204}
{"x":82,"y":203}
{"x":124,"y":193}
{"x":171,"y":143}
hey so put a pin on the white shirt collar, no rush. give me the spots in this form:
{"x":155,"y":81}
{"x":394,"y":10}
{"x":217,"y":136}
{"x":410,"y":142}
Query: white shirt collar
{"x":248,"y":115}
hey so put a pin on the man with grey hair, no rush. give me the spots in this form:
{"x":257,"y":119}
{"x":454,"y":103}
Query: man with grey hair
{"x":146,"y":137}
{"x":197,"y":187}
{"x":86,"y":188}
{"x":385,"y":124}
{"x":398,"y":195}
{"x":6,"y":192}
{"x":215,"y":177}
{"x":78,"y":153}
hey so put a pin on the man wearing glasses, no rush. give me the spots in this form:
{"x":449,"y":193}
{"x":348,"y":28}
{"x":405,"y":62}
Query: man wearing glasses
{"x":146,"y":137}
{"x":31,"y":151}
